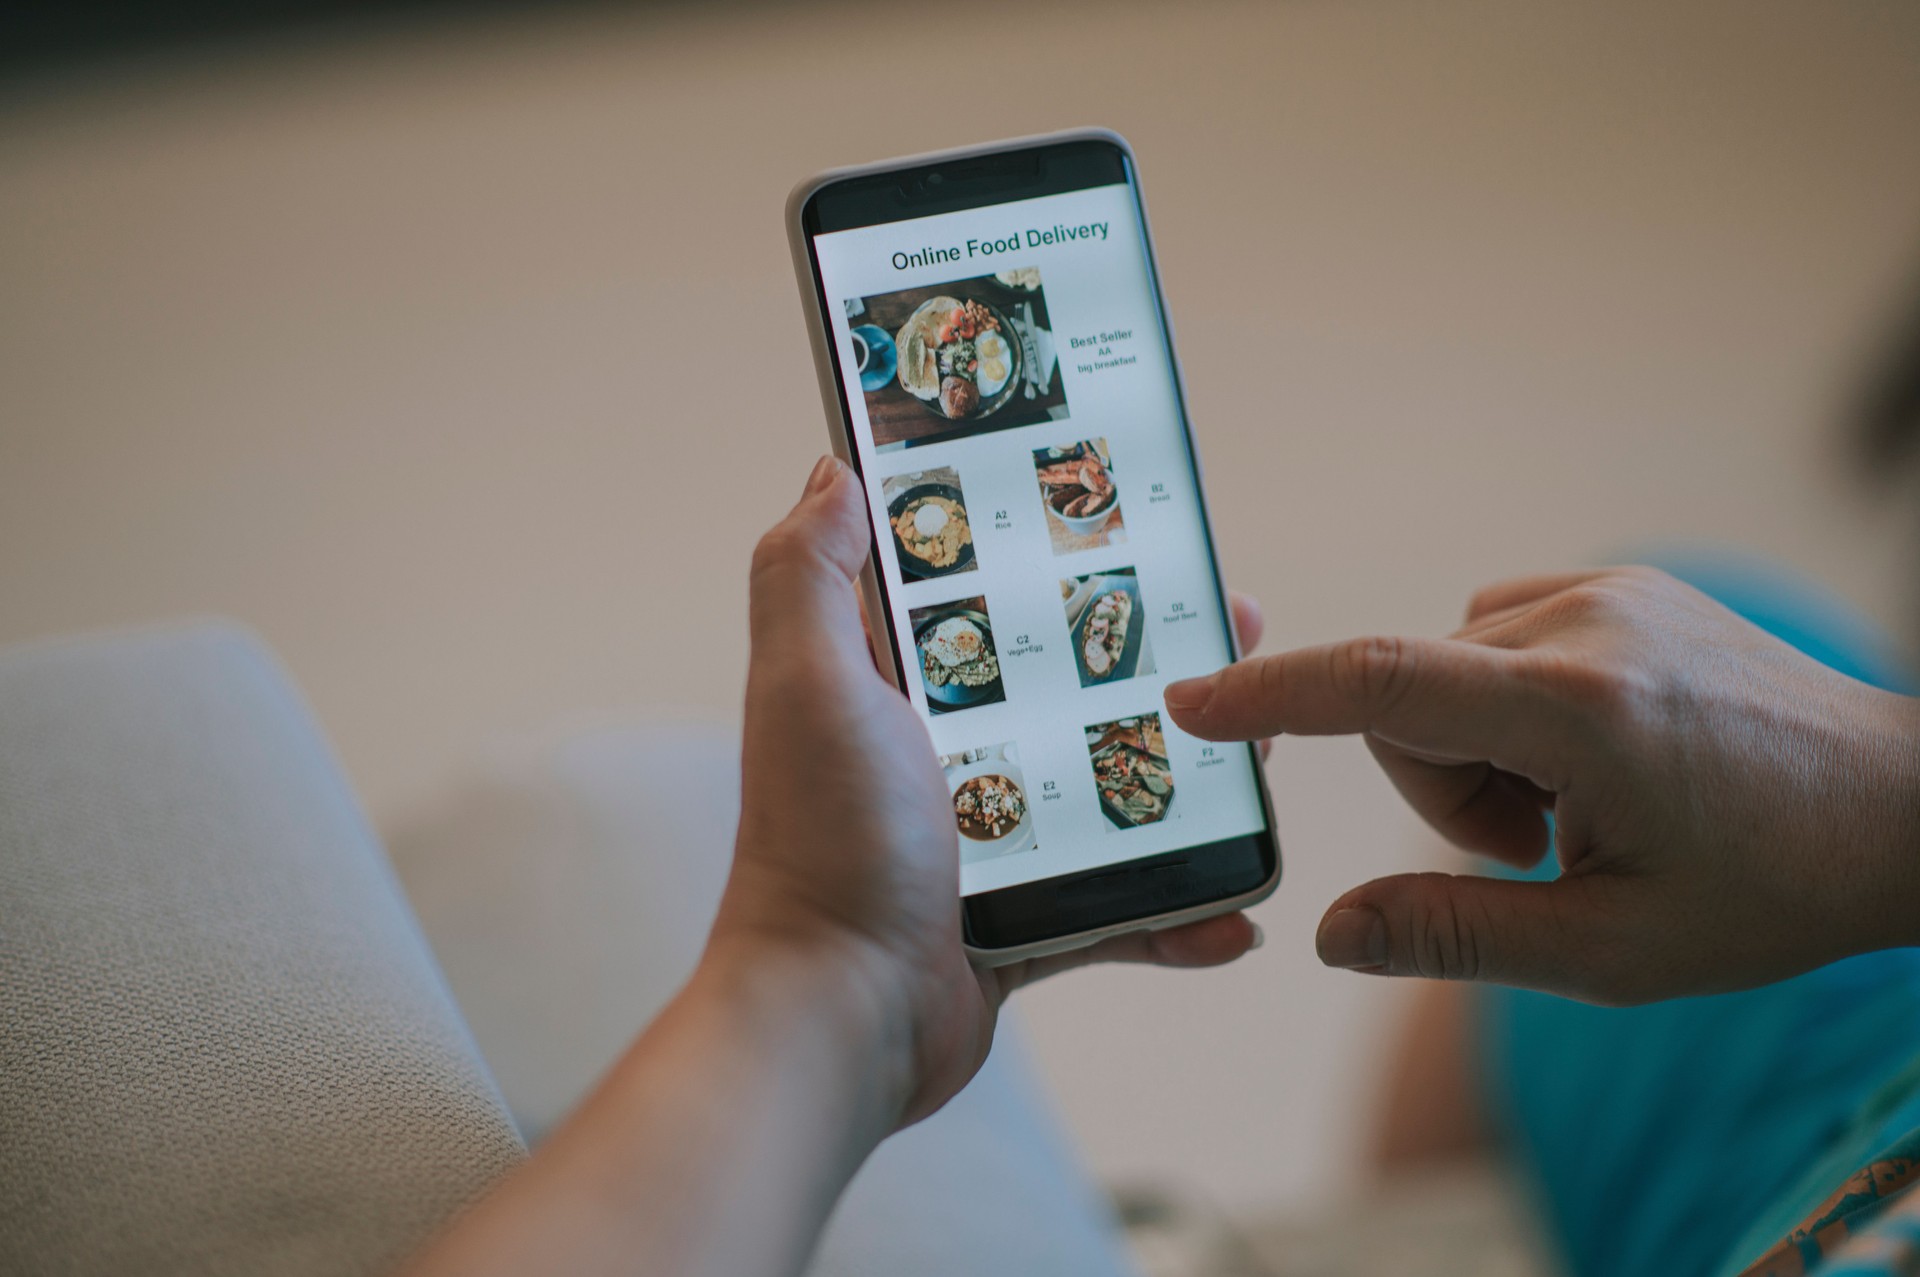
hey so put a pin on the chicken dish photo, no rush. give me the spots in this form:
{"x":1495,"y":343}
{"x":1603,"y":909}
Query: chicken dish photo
{"x":1131,"y":771}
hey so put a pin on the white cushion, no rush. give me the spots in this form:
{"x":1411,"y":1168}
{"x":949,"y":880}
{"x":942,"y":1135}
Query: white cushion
{"x":224,"y":1045}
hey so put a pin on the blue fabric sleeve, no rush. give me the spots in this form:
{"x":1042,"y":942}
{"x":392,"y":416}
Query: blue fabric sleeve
{"x":1659,"y":1138}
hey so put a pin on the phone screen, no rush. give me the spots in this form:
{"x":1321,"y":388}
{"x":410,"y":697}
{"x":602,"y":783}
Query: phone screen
{"x":1042,"y":543}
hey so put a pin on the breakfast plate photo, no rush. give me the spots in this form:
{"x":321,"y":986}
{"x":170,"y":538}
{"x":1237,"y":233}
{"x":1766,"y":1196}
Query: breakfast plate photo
{"x":960,"y":357}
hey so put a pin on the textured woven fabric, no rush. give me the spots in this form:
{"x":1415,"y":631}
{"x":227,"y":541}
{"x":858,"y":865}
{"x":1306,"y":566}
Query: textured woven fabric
{"x":568,"y":886}
{"x":224,"y":1046}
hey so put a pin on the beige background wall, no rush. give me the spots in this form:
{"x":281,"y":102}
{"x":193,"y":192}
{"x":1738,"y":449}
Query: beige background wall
{"x":466,"y":365}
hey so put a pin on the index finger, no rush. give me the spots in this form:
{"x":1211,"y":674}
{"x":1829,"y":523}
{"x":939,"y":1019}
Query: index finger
{"x":1442,"y":697}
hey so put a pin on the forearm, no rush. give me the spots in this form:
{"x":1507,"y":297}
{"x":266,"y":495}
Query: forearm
{"x":717,"y":1144}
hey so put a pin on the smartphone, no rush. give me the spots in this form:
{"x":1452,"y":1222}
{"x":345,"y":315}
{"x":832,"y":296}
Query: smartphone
{"x":997,"y":367}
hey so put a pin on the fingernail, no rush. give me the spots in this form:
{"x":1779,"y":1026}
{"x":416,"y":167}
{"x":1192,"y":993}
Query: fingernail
{"x":823,"y":472}
{"x":1189,"y":694}
{"x":1354,"y":939}
{"x":1259,"y":937}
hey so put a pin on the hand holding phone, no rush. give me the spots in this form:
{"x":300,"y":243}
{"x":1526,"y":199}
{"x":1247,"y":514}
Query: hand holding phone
{"x":859,"y":876}
{"x":998,"y":370}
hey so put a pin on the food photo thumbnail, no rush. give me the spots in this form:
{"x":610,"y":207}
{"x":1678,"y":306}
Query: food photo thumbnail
{"x":1077,"y":488}
{"x":961,"y":358}
{"x":932,"y":535}
{"x":990,"y":805}
{"x":1131,"y":771}
{"x":959,"y":667}
{"x":1107,"y":626}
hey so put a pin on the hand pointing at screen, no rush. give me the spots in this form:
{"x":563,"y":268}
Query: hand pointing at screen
{"x":1727,"y":811}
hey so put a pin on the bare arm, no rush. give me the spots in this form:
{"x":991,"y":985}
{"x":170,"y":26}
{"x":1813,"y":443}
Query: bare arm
{"x":716,"y":1145}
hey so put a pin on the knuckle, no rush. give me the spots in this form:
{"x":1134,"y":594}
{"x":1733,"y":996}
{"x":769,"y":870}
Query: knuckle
{"x":1617,"y":602}
{"x":783,"y":552}
{"x":1588,"y":603}
{"x":1643,"y":576}
{"x":777,"y":548}
{"x":1485,"y":599}
{"x":1568,"y":676}
{"x":1606,"y":690}
{"x":1374,"y":670}
{"x":1632,"y":592}
{"x":1446,"y":933}
{"x":1269,"y":680}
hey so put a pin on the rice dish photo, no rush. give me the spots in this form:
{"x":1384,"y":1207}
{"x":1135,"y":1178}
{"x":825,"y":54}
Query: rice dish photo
{"x":934,"y":530}
{"x":927,"y":515}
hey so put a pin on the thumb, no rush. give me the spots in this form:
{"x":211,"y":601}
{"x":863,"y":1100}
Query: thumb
{"x":1533,"y":935}
{"x":804,"y":568}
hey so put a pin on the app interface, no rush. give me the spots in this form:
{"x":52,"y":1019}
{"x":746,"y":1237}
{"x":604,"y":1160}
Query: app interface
{"x":1013,"y":403}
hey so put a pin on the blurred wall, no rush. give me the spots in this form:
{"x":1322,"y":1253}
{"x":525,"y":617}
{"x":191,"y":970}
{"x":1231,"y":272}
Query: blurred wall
{"x":466,"y":364}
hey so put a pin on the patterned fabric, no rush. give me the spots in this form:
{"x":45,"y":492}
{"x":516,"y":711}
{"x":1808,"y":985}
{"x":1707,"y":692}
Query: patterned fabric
{"x":1867,"y":1224}
{"x":1890,"y":1249}
{"x":1876,"y":1194}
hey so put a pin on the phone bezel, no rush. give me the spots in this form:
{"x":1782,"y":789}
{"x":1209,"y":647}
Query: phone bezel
{"x":1066,"y":911}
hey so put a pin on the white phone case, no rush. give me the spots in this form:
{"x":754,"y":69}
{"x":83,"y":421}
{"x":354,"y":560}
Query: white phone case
{"x":841,"y":431}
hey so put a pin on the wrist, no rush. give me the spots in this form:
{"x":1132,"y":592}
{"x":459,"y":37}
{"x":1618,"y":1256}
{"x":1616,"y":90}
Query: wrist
{"x":1894,"y":769}
{"x":721,"y":1139}
{"x":824,"y":1001}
